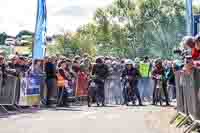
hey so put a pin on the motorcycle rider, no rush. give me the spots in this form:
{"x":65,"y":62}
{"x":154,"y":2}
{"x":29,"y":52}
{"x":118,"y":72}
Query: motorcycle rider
{"x":130,"y":74}
{"x":100,"y":72}
{"x":159,"y":70}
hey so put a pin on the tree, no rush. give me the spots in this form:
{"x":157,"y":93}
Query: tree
{"x":24,"y":32}
{"x":3,"y":37}
{"x":130,"y":28}
{"x":143,"y":25}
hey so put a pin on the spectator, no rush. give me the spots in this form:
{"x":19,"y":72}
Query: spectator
{"x":38,"y":67}
{"x":50,"y":69}
{"x":159,"y":70}
{"x":196,"y":49}
{"x":62,"y":83}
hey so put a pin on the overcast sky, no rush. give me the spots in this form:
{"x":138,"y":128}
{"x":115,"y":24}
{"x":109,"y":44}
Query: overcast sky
{"x":16,"y":15}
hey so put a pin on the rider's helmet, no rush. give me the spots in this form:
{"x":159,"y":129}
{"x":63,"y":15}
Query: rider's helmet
{"x":137,"y":60}
{"x":129,"y":62}
{"x":158,"y":62}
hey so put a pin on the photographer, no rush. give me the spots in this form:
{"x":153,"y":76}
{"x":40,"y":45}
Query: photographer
{"x":196,"y":48}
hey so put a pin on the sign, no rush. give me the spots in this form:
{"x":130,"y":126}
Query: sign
{"x":23,"y":89}
{"x":30,"y":90}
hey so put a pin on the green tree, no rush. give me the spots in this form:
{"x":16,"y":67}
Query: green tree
{"x":3,"y":37}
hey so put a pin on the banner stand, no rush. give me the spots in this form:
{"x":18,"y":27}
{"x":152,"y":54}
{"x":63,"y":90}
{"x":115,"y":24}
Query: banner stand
{"x":174,"y":118}
{"x":4,"y":109}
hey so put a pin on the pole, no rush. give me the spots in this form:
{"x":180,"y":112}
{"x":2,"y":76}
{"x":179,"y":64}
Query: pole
{"x":189,"y":17}
{"x":34,"y":41}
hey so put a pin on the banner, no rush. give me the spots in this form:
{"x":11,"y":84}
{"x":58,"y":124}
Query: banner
{"x":23,"y":89}
{"x":30,"y":90}
{"x":40,"y":31}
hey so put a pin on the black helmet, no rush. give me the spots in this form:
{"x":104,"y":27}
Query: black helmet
{"x":99,"y":60}
{"x":158,"y":62}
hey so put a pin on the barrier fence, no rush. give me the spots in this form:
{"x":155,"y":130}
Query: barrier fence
{"x":30,"y":90}
{"x":8,"y":90}
{"x":188,"y":99}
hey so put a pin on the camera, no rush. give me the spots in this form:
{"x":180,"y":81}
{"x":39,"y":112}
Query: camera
{"x":183,"y":53}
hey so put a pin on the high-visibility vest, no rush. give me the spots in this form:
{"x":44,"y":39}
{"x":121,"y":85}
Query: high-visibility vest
{"x":144,"y":69}
{"x":60,"y":81}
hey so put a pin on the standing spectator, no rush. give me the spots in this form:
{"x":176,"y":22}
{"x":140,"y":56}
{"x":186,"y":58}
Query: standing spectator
{"x":145,"y":83}
{"x":116,"y":84}
{"x":38,"y":67}
{"x":170,"y":76}
{"x":108,"y":90}
{"x":62,"y":83}
{"x":100,"y":72}
{"x":50,"y":69}
{"x":3,"y":70}
{"x":159,"y":71}
{"x":196,"y":49}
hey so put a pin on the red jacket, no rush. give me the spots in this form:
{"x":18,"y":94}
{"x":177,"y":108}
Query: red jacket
{"x":195,"y":54}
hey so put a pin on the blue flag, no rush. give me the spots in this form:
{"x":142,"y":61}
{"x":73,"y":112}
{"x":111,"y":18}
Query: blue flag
{"x":39,"y":47}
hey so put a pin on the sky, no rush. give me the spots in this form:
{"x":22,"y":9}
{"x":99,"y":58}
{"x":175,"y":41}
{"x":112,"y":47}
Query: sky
{"x":16,"y":15}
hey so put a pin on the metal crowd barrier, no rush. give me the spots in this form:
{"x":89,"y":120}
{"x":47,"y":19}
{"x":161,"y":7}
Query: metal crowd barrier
{"x":188,"y":99}
{"x":195,"y":96}
{"x":8,"y":91}
{"x":179,"y":92}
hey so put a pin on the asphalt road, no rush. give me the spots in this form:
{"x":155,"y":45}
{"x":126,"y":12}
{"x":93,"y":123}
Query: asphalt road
{"x":117,"y":119}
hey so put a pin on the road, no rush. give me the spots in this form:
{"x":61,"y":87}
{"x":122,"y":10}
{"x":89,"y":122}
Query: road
{"x":117,"y":119}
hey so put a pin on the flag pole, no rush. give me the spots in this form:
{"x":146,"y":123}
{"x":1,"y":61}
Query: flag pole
{"x":38,"y":51}
{"x":189,"y":17}
{"x":34,"y":41}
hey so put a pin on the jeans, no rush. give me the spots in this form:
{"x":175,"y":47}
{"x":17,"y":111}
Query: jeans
{"x":146,"y":88}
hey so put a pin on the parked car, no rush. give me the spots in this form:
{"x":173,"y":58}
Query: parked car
{"x":24,"y":40}
{"x":10,"y":41}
